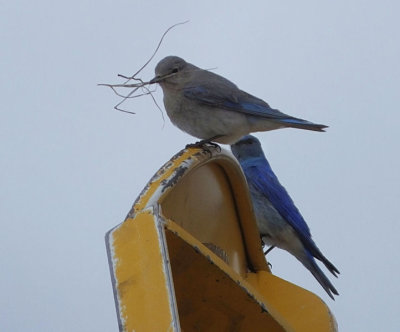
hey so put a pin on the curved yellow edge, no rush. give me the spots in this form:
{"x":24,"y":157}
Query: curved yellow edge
{"x":297,"y":308}
{"x":183,"y":157}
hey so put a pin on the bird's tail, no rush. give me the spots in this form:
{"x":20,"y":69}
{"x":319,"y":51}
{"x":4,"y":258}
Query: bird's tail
{"x":309,"y":262}
{"x":332,"y":268}
{"x":302,"y":124}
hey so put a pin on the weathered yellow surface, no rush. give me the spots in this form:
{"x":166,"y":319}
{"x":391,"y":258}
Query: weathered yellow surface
{"x":142,"y":284}
{"x":190,"y":247}
{"x":288,"y":307}
{"x":165,"y":172}
{"x":296,"y":308}
{"x":208,"y":298}
{"x":202,"y":203}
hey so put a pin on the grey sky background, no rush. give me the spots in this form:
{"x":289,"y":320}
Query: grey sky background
{"x":71,"y":166}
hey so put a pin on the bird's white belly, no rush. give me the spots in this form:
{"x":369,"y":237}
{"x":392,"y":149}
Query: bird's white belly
{"x":206,"y":122}
{"x":273,"y":228}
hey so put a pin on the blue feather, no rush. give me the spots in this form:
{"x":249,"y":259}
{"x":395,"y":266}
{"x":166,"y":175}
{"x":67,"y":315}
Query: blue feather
{"x":259,"y":173}
{"x":279,"y":221}
{"x":243,"y":102}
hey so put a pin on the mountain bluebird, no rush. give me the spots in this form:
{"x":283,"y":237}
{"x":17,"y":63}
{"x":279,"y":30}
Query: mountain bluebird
{"x":279,"y":221}
{"x":210,"y":107}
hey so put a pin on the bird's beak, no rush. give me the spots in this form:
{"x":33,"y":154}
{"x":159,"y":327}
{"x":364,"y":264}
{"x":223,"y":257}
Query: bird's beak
{"x":155,"y":79}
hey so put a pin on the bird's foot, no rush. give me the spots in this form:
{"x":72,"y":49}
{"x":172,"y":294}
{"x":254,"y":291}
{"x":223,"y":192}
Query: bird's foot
{"x":266,"y":252}
{"x":205,"y":144}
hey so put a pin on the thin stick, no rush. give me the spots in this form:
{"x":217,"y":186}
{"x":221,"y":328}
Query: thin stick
{"x":155,"y":102}
{"x":142,"y":84}
{"x":133,"y":85}
{"x":156,"y":50}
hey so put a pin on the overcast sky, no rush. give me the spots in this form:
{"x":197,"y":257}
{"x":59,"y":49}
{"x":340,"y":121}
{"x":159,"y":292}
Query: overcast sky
{"x":71,"y":166}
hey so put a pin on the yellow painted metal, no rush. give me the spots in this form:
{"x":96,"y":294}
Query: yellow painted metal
{"x":189,"y":257}
{"x":209,"y":215}
{"x":300,"y":309}
{"x":142,"y":287}
{"x":211,"y":298}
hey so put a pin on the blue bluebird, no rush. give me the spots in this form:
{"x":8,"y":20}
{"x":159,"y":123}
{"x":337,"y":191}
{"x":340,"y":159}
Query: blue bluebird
{"x":279,"y":221}
{"x":208,"y":106}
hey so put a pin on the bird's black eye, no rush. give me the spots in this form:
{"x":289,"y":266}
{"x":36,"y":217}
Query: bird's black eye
{"x":175,"y":70}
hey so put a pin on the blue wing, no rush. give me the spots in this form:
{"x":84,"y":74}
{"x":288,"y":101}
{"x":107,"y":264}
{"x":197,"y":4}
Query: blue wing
{"x":233,"y":99}
{"x":224,"y":94}
{"x":261,"y":176}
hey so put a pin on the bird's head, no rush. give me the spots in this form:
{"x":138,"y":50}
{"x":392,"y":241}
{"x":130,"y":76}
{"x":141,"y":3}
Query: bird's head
{"x":171,"y":70}
{"x":247,"y":147}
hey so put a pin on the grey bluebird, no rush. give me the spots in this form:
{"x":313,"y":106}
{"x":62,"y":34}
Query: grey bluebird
{"x":210,"y":107}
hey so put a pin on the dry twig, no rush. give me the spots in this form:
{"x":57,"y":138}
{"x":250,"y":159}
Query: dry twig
{"x":143,"y":85}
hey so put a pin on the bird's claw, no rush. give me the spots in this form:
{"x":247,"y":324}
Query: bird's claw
{"x":204,"y":144}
